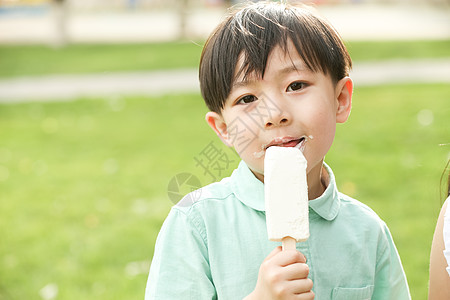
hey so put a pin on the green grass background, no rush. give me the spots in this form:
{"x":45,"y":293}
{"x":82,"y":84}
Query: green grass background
{"x":39,"y":59}
{"x":83,"y":184}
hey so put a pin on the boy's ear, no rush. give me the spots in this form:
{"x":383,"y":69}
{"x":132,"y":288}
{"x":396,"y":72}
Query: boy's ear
{"x":217,"y":123}
{"x":344,"y":92}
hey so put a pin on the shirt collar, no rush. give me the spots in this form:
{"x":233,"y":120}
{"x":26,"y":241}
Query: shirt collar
{"x":250,"y":191}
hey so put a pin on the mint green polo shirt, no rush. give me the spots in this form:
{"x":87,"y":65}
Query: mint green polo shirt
{"x":214,"y":240}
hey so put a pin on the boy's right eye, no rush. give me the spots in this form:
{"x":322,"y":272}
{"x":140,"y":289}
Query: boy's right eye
{"x":246,"y":99}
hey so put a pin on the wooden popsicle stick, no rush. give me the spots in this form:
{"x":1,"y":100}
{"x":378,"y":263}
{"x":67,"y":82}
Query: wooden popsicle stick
{"x":288,"y":243}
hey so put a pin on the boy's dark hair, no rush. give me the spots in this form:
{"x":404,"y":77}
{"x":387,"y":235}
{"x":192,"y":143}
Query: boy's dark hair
{"x":446,"y":171}
{"x":255,"y":31}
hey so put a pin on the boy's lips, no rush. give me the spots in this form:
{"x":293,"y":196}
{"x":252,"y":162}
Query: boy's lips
{"x":285,"y":142}
{"x":298,"y":143}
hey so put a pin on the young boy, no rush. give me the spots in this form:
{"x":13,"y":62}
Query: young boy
{"x":274,"y":75}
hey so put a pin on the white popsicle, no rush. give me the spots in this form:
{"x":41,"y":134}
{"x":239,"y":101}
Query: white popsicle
{"x":286,"y":196}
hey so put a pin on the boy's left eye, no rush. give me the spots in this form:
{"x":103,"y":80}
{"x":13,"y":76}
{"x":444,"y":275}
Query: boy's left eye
{"x":247,"y":99}
{"x":295,"y":86}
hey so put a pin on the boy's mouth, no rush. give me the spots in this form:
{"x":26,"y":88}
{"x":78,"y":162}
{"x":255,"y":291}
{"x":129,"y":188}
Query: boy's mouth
{"x":287,"y":142}
{"x":284,"y":142}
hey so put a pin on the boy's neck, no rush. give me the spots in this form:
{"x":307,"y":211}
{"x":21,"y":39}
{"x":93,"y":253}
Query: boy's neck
{"x":318,"y":180}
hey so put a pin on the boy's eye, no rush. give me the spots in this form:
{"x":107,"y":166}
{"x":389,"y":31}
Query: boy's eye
{"x":247,"y":99}
{"x":295,"y":86}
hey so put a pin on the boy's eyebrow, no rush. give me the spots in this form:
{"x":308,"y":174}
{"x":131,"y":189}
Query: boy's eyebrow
{"x":295,"y":66}
{"x":238,"y":84}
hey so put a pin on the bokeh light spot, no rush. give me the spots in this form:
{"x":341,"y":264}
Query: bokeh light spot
{"x":49,"y":292}
{"x":111,"y":166}
{"x":425,"y":117}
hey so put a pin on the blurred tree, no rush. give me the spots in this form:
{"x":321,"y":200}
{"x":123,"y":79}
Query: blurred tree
{"x":183,"y":6}
{"x":60,"y":11}
{"x":229,"y":3}
{"x":132,"y":4}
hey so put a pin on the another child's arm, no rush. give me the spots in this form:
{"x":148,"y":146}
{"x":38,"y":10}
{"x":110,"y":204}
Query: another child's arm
{"x":283,"y":275}
{"x":439,"y":277}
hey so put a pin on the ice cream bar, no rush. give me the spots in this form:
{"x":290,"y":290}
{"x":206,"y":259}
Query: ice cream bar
{"x":286,"y":195}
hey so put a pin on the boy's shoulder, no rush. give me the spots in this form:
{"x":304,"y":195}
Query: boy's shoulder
{"x":356,"y":204}
{"x":350,"y":207}
{"x":211,"y":193}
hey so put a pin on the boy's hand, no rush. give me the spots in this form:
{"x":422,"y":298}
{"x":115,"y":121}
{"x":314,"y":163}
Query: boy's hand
{"x":283,"y":275}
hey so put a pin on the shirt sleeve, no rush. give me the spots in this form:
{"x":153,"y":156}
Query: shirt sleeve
{"x":180,"y":267}
{"x":390,"y":279}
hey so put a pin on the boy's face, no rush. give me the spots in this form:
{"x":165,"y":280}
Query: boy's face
{"x":290,"y":107}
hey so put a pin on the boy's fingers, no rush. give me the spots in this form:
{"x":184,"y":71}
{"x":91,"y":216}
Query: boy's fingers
{"x":301,"y":286}
{"x":305,"y":296}
{"x":296,"y":271}
{"x":289,"y":257}
{"x":302,"y":258}
{"x":299,"y":289}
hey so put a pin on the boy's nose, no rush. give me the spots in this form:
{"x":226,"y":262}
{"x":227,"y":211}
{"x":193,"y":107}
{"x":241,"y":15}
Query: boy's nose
{"x":274,"y":112}
{"x":276,"y":121}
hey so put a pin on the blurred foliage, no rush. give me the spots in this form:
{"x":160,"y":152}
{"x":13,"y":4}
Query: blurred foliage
{"x":374,"y":50}
{"x":83,"y":184}
{"x":73,"y":59}
{"x":79,"y":59}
